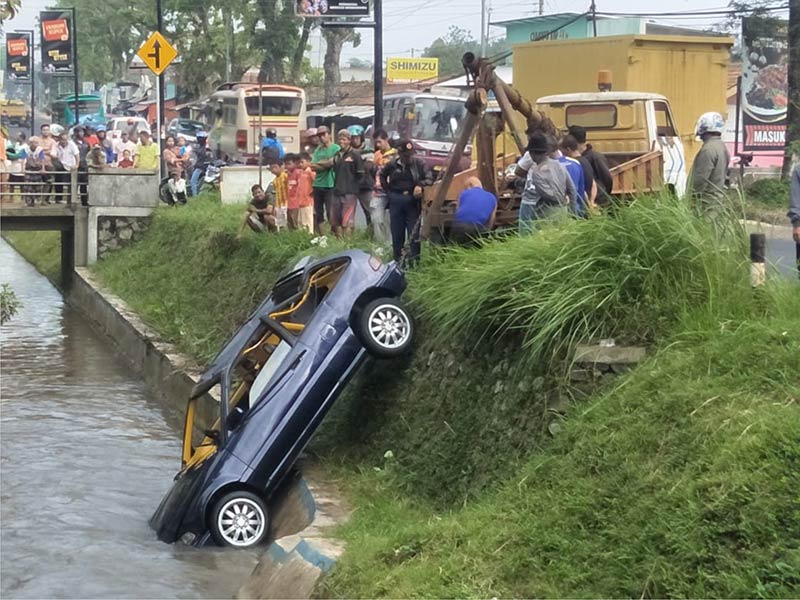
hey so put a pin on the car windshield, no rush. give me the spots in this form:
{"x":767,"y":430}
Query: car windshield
{"x":190,"y":127}
{"x":438,"y":119}
{"x":275,"y":106}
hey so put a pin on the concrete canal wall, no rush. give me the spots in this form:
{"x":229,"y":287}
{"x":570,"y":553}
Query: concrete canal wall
{"x":303,"y":512}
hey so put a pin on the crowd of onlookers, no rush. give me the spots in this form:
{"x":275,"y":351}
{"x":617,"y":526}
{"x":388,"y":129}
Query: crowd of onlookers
{"x":40,"y":167}
{"x":320,"y":189}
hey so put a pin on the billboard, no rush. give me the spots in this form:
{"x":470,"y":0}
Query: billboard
{"x":765,"y":84}
{"x":56,"y":44}
{"x":411,"y":69}
{"x":18,"y":56}
{"x":331,"y":8}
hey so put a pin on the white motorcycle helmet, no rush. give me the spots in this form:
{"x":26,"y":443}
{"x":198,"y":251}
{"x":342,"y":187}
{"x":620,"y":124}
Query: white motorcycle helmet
{"x":710,"y":122}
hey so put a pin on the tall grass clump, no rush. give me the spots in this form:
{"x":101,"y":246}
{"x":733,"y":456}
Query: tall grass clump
{"x":630,"y":275}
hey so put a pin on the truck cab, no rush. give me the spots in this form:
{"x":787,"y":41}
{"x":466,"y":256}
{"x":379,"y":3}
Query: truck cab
{"x":633,"y":129}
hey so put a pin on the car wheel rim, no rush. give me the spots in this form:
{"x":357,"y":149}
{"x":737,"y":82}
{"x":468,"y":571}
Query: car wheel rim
{"x":241,"y":522}
{"x":389,"y":326}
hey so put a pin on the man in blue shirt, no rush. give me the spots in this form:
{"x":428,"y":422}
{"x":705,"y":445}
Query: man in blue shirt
{"x":271,"y":148}
{"x":475,"y":212}
{"x":575,"y":170}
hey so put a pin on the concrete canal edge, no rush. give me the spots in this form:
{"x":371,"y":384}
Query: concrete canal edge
{"x":302,"y":550}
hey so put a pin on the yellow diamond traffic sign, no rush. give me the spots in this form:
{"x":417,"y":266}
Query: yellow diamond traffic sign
{"x":157,"y":53}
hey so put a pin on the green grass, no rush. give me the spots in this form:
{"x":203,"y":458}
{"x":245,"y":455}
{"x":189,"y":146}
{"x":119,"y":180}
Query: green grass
{"x":41,"y":248}
{"x":767,"y":200}
{"x":630,"y":276}
{"x":684,"y":481}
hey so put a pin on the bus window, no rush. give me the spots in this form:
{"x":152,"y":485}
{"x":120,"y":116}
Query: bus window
{"x":274,"y":106}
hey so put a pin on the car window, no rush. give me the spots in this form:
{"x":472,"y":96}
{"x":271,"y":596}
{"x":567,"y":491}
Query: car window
{"x":267,"y":372}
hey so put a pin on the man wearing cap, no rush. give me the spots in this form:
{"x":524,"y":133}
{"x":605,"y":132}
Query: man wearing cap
{"x":549,"y":190}
{"x":322,"y":164}
{"x":312,"y":140}
{"x":403,"y":179}
{"x":146,"y":153}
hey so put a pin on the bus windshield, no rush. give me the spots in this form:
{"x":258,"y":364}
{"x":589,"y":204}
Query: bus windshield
{"x":274,"y":106}
{"x":438,"y":119}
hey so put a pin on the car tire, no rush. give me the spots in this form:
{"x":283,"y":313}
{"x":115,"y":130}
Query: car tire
{"x":385,"y":328}
{"x":240,"y":520}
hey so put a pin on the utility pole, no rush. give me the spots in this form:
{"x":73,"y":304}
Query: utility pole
{"x":594,"y":18}
{"x":483,"y":27}
{"x":160,"y":29}
{"x":793,"y":109}
{"x":76,"y":88}
{"x":541,"y":7}
{"x":377,"y":75}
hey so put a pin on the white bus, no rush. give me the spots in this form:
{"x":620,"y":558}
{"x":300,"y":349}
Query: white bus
{"x":236,"y":133}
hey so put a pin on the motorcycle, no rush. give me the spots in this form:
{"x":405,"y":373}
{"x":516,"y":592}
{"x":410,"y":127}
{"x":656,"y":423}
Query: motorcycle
{"x":213,"y":174}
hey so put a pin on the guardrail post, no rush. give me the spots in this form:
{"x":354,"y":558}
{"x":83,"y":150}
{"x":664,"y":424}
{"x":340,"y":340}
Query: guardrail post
{"x":74,"y":198}
{"x":758,"y":259}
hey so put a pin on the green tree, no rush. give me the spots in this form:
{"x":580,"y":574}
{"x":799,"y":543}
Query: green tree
{"x":9,"y":9}
{"x":335,"y":39}
{"x":450,"y":48}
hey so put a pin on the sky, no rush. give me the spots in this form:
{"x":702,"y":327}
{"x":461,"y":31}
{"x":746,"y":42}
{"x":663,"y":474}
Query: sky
{"x":411,"y":25}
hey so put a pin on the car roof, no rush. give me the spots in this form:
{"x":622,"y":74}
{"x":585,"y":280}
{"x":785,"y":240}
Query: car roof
{"x":236,"y":344}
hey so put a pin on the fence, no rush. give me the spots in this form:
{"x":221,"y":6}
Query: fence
{"x":95,"y":187}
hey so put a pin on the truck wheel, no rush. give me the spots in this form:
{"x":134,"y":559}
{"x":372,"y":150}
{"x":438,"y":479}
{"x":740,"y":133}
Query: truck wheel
{"x":239,"y":519}
{"x":385,"y":328}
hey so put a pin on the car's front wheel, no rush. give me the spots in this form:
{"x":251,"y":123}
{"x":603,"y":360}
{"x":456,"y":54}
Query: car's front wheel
{"x":239,"y":519}
{"x":386,"y":328}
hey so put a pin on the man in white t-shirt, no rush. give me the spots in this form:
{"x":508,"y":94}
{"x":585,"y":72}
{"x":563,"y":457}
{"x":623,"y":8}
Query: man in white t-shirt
{"x":122,"y":144}
{"x":67,"y":153}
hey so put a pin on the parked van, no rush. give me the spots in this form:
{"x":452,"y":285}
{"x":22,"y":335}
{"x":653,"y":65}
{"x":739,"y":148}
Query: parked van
{"x":635,"y":130}
{"x":243,"y":119}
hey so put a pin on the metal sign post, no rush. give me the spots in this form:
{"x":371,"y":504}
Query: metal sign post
{"x":74,"y":34}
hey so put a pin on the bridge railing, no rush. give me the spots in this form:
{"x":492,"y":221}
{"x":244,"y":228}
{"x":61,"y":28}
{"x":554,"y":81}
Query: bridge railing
{"x":94,"y":187}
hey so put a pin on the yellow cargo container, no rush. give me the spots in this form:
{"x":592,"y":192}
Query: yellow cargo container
{"x":692,"y":72}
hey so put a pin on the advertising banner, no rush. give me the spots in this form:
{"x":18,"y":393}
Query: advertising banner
{"x":407,"y":70}
{"x":331,"y":8}
{"x":18,"y":56}
{"x":57,"y":32}
{"x":765,"y":84}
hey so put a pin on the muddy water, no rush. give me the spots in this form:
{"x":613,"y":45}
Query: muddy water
{"x":85,"y":456}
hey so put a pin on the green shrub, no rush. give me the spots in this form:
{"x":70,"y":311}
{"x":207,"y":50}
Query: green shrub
{"x":772,"y":192}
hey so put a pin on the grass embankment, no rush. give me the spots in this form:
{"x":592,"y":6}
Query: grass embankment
{"x":193,"y":279}
{"x":679,"y":482}
{"x":682,"y":481}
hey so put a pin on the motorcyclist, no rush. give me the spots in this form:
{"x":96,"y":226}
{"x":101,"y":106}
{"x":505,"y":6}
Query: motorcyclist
{"x":271,"y":148}
{"x":203,"y":158}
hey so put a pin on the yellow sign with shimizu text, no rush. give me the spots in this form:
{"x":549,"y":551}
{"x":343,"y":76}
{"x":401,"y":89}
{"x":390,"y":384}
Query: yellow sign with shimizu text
{"x":412,"y":69}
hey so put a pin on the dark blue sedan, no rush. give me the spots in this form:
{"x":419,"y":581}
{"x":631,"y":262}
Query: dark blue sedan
{"x":278,"y":376}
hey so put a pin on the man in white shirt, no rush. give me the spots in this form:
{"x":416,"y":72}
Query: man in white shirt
{"x":67,"y":153}
{"x":124,"y":143}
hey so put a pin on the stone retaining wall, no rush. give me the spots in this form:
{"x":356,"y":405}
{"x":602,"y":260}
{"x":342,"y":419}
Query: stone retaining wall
{"x":117,"y":232}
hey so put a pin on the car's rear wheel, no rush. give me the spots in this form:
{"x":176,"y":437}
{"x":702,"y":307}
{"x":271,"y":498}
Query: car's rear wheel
{"x":385,"y":328}
{"x":239,"y":519}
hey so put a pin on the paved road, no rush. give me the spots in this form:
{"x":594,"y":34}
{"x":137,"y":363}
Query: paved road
{"x":781,"y":249}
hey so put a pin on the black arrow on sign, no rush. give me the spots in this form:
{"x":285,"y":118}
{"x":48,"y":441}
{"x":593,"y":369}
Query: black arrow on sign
{"x":156,"y":54}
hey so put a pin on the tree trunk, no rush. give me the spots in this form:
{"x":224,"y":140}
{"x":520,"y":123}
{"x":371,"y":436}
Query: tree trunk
{"x":793,"y":112}
{"x":300,"y":51}
{"x":227,"y":24}
{"x":334,"y":40}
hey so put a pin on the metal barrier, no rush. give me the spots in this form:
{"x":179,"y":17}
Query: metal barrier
{"x":132,"y":187}
{"x":43,"y":187}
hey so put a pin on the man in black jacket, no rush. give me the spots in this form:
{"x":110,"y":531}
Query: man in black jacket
{"x":602,"y":175}
{"x":403,"y":179}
